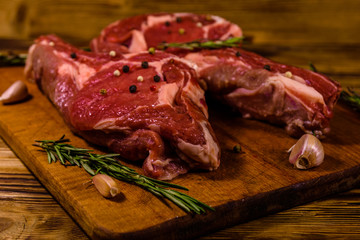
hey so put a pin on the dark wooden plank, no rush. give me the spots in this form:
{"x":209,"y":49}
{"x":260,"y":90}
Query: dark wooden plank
{"x":276,"y":22}
{"x":27,"y":210}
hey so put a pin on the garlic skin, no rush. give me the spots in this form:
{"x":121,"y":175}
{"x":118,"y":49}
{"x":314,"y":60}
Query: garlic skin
{"x":308,"y":152}
{"x":105,"y":185}
{"x":16,"y":92}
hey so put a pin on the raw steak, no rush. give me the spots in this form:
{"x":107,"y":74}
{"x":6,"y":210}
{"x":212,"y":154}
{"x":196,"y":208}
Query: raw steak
{"x":143,"y":106}
{"x":141,"y":32}
{"x":257,"y":87}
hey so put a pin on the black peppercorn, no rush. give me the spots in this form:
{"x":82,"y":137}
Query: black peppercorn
{"x":144,"y":64}
{"x":125,"y":68}
{"x":267,"y":67}
{"x":73,"y":55}
{"x":157,"y":78}
{"x":178,"y":20}
{"x":167,"y":23}
{"x":132,"y":88}
{"x":237,"y":149}
{"x":238,"y":54}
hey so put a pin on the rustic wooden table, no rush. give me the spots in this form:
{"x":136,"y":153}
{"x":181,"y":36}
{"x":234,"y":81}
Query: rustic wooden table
{"x":295,"y":32}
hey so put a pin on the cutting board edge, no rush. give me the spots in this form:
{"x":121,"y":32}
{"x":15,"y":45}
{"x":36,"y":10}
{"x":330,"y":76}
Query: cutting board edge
{"x":199,"y":224}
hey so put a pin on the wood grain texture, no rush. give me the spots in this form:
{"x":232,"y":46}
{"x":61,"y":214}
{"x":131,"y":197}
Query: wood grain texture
{"x":275,"y":22}
{"x":27,"y":210}
{"x":323,"y":32}
{"x":249,"y":185}
{"x":25,"y":215}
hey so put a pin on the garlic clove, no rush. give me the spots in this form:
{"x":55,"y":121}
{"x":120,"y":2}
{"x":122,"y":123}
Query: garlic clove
{"x":16,"y":92}
{"x":105,"y":185}
{"x":308,"y":152}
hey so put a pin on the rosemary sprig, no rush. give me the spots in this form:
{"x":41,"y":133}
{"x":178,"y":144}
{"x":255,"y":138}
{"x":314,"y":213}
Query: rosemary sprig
{"x":93,"y":163}
{"x":230,"y":42}
{"x":351,"y":98}
{"x":312,"y":67}
{"x":12,"y":59}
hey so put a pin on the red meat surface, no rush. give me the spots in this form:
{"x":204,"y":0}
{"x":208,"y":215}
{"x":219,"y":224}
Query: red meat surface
{"x":300,"y":100}
{"x":143,"y":106}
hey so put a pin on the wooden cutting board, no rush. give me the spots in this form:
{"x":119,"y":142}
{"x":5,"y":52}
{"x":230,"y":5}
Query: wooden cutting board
{"x":248,"y":185}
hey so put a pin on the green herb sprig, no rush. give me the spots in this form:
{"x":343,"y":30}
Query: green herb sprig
{"x":230,"y":42}
{"x":351,"y":98}
{"x":12,"y":59}
{"x":93,"y":163}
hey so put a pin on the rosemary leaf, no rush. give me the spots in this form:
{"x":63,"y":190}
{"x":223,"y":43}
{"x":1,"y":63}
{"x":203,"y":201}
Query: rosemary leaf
{"x":351,"y":98}
{"x":93,"y":163}
{"x":87,"y":168}
{"x":12,"y":59}
{"x":48,"y":156}
{"x":230,"y":42}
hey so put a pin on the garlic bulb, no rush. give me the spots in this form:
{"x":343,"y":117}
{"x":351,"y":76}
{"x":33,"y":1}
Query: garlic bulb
{"x":105,"y":185}
{"x":15,"y":93}
{"x":308,"y":152}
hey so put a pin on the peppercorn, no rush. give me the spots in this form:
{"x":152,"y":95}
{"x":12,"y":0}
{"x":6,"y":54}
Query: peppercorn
{"x":140,"y":78}
{"x":73,"y":55}
{"x":157,"y":78}
{"x":238,"y":54}
{"x":144,"y":64}
{"x":237,"y":149}
{"x":103,"y":91}
{"x":112,"y":53}
{"x":178,"y":20}
{"x":267,"y":67}
{"x":181,"y":31}
{"x":125,"y":68}
{"x":167,"y":23}
{"x":151,"y":50}
{"x":116,"y":73}
{"x":152,"y":88}
{"x":132,"y":88}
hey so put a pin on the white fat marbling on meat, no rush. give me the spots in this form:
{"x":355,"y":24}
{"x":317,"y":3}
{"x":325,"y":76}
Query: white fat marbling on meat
{"x":294,"y":89}
{"x":234,"y":30}
{"x":167,"y":93}
{"x":79,"y":71}
{"x":196,"y":93}
{"x":297,"y":89}
{"x":138,"y":43}
{"x":108,"y":124}
{"x":206,"y":155}
{"x":154,"y":127}
{"x":202,"y":62}
{"x":153,"y":20}
{"x":158,"y":64}
{"x":29,"y":64}
{"x":295,"y":78}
